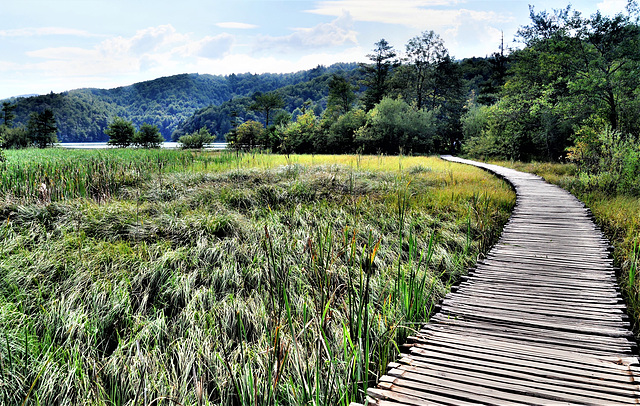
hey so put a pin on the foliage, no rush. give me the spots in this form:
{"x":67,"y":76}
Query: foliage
{"x":341,"y":133}
{"x":424,"y":53}
{"x":341,"y":95}
{"x":393,"y":126}
{"x":229,"y":279}
{"x":267,"y":103}
{"x":8,"y":114}
{"x":121,"y":133}
{"x":300,"y":135}
{"x":247,"y":136}
{"x":16,"y":137}
{"x":42,"y":129}
{"x":313,"y":91}
{"x":608,"y":161}
{"x":573,"y":70}
{"x":196,"y":140}
{"x":84,"y":114}
{"x":148,"y":137}
{"x":377,"y":73}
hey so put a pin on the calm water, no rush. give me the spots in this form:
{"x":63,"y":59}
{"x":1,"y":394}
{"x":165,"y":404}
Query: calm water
{"x":103,"y":145}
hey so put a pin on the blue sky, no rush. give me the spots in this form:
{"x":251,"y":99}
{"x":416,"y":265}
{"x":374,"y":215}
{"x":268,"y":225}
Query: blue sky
{"x":58,"y":45}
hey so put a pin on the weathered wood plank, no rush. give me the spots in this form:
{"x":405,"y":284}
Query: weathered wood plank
{"x":540,"y":320}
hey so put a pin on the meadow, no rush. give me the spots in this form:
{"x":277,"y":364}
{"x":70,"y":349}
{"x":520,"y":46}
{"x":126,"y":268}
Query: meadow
{"x":135,"y":277}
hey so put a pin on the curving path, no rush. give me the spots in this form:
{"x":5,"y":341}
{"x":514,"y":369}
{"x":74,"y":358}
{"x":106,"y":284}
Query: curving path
{"x":539,"y":321}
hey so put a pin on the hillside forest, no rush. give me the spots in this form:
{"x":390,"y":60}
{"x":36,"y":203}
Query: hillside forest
{"x":569,"y":90}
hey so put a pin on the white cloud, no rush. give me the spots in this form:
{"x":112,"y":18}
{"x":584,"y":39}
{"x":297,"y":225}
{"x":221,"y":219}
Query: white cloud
{"x":154,"y":48}
{"x":241,"y":63}
{"x":45,"y":31}
{"x":152,"y":38}
{"x":208,"y":47}
{"x":336,"y":33}
{"x":611,"y":7}
{"x":420,"y":14}
{"x":236,"y":26}
{"x":471,"y":35}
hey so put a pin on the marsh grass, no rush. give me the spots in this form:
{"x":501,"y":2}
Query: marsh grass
{"x":231,"y":279}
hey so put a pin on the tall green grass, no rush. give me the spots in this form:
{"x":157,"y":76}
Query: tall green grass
{"x":224,"y":279}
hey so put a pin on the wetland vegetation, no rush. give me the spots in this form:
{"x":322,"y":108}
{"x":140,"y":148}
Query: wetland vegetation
{"x":174,"y":277}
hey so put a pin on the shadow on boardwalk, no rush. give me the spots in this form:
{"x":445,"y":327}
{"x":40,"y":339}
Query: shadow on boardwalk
{"x":539,"y":321}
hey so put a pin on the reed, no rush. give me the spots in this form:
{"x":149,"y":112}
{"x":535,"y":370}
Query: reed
{"x":228,"y":279}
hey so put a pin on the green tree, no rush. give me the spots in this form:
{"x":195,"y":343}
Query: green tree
{"x":121,"y":132}
{"x":8,"y":113}
{"x":42,"y":129}
{"x":16,"y":137}
{"x":266,"y":103}
{"x":342,"y":131}
{"x":341,"y":95}
{"x":148,"y":137}
{"x":249,"y":135}
{"x":424,"y":53}
{"x":197,"y":139}
{"x":300,"y":135}
{"x":377,"y":73}
{"x":394,"y":126}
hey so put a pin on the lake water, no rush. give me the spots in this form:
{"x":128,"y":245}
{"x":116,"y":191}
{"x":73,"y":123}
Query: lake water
{"x":103,"y":145}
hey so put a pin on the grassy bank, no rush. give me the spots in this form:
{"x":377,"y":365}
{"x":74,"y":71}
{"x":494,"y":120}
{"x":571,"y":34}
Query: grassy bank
{"x":216,"y":278}
{"x":618,"y":215}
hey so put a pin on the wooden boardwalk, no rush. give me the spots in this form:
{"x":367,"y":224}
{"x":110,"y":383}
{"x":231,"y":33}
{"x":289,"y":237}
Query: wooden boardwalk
{"x":539,"y":321}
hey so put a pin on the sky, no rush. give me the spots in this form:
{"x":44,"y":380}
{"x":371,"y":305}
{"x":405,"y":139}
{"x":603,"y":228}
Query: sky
{"x":58,"y":45}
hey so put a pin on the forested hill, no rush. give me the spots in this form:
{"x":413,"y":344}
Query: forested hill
{"x":82,"y":115}
{"x":311,"y":94}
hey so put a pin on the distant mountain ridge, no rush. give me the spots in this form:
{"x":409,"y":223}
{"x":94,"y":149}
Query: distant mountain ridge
{"x":82,"y":115}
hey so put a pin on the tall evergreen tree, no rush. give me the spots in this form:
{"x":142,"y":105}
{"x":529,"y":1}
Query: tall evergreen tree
{"x":341,"y":95}
{"x":42,"y":129}
{"x":7,"y":113}
{"x":266,"y":103}
{"x":121,"y":132}
{"x":377,"y":73}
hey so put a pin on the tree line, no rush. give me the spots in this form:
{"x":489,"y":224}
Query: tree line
{"x":408,"y":102}
{"x":569,"y":93}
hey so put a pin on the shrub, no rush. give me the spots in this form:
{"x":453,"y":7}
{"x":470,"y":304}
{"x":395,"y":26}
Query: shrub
{"x":197,"y":139}
{"x":148,"y":137}
{"x":248,"y":135}
{"x":393,"y":125}
{"x":606,"y":159}
{"x":120,"y":132}
{"x":14,"y":138}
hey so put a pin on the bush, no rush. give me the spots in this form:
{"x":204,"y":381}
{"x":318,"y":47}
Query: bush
{"x":248,"y":135}
{"x":299,"y":136}
{"x":14,"y":138}
{"x":393,"y":125}
{"x":121,"y":132}
{"x":148,"y":137}
{"x":607,"y":160}
{"x":342,"y":132}
{"x":197,"y":139}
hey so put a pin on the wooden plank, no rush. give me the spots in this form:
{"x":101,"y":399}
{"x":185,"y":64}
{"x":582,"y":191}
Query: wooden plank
{"x":506,"y":390}
{"x":441,"y":321}
{"x":540,"y":320}
{"x":543,"y":364}
{"x":578,"y":391}
{"x":572,"y":359}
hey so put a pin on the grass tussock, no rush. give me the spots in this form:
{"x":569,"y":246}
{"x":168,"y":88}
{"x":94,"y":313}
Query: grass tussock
{"x":229,"y":279}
